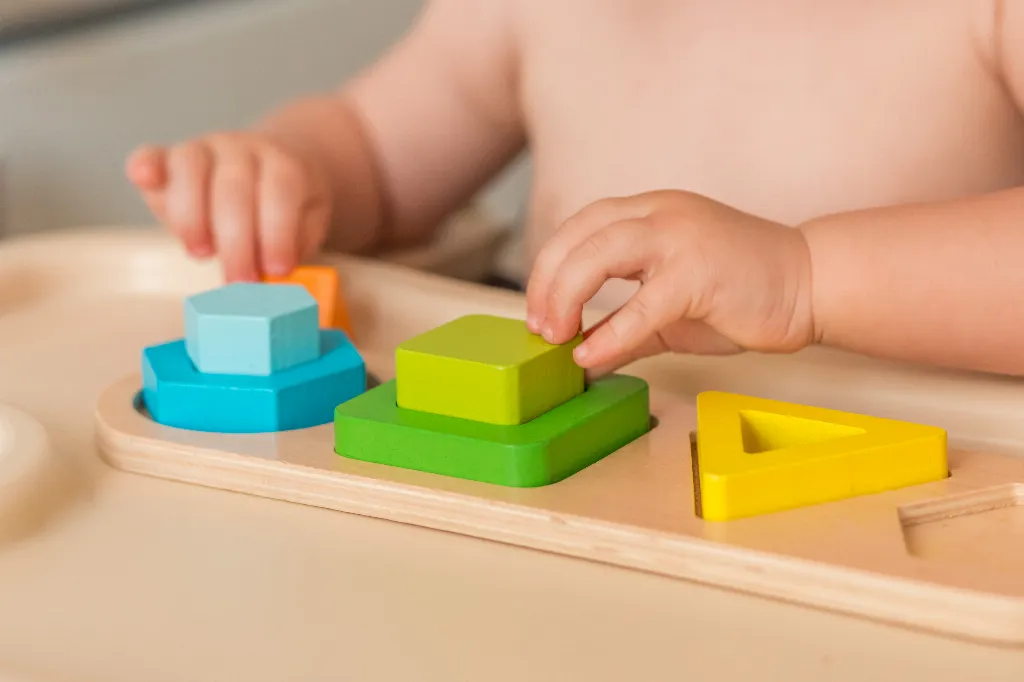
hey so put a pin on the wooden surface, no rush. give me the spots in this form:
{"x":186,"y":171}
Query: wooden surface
{"x":127,"y":577}
{"x":635,"y":508}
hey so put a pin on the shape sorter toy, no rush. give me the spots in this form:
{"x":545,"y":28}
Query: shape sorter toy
{"x":482,"y":398}
{"x":254,"y":360}
{"x":839,"y":511}
{"x":942,"y":557}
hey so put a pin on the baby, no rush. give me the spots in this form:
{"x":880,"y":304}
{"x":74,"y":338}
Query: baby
{"x":773,"y":173}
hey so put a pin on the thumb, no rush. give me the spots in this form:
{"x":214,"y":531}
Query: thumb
{"x":634,"y":330}
{"x":652,"y":345}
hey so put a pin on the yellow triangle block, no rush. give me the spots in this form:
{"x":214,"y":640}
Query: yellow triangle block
{"x":756,"y":456}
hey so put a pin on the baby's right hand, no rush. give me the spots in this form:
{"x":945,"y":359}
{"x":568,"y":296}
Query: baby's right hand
{"x":242,"y":196}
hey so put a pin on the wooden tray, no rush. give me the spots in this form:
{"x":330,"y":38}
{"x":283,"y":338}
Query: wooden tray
{"x":910,"y":556}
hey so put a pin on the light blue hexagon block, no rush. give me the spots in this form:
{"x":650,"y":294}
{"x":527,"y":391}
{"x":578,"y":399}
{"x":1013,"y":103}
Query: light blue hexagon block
{"x":176,"y":394}
{"x":252,"y":328}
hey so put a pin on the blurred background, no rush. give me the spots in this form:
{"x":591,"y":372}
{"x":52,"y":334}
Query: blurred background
{"x":82,"y":82}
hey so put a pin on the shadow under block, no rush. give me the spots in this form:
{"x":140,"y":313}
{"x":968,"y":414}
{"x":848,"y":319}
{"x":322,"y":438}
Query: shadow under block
{"x":612,"y":412}
{"x":251,"y":328}
{"x":177,"y":394}
{"x":323,"y":284}
{"x":487,"y":369}
{"x":756,"y":456}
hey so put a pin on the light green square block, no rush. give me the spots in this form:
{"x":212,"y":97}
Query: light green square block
{"x":486,"y":369}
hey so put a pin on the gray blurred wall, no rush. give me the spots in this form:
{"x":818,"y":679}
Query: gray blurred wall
{"x":74,"y":104}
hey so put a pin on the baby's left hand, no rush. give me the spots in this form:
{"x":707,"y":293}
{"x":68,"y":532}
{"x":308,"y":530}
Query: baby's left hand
{"x":714,"y":280}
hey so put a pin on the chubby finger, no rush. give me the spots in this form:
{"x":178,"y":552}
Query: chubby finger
{"x":629,"y":330}
{"x":146,"y":168}
{"x":680,"y":336}
{"x":317,"y":219}
{"x":233,"y":208}
{"x":653,"y":345}
{"x":623,"y":249}
{"x":315,"y":226}
{"x":284,"y":192}
{"x":578,"y":227}
{"x":187,"y":197}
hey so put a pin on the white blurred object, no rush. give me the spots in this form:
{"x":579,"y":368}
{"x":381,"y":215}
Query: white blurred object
{"x":26,"y":469}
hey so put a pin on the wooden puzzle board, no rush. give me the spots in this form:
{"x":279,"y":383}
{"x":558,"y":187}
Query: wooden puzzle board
{"x":113,"y":576}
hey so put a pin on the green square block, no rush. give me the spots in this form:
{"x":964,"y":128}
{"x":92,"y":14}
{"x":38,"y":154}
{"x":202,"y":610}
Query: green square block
{"x":612,"y":412}
{"x":486,"y":369}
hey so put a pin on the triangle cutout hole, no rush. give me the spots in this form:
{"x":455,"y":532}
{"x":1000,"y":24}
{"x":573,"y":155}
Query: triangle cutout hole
{"x":766,"y":431}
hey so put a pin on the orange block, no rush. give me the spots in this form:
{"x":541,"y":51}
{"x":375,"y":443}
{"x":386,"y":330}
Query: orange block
{"x":323,"y":284}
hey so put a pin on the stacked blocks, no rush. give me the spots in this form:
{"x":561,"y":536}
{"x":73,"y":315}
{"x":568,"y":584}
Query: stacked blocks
{"x":324,"y":284}
{"x":486,"y":369}
{"x":481,"y":398}
{"x":251,"y":329}
{"x":254,"y":360}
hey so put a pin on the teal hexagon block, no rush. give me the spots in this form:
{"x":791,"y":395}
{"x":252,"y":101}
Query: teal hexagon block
{"x":176,"y":394}
{"x":250,"y":328}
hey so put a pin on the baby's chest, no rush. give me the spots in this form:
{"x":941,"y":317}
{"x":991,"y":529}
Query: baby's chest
{"x":787,"y":108}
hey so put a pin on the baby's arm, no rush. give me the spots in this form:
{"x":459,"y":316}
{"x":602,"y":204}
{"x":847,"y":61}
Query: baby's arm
{"x":937,"y":283}
{"x":440,"y":114}
{"x":380,"y":162}
{"x":940,"y":283}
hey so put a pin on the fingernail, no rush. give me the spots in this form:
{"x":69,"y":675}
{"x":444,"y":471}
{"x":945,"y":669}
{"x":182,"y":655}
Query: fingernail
{"x":548,"y":334}
{"x":201,"y":251}
{"x":581,"y":352}
{"x":532,"y":323}
{"x":277,"y":269}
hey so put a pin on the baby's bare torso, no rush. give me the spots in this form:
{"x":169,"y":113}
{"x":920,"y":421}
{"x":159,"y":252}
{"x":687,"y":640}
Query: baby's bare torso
{"x":788,"y":109}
